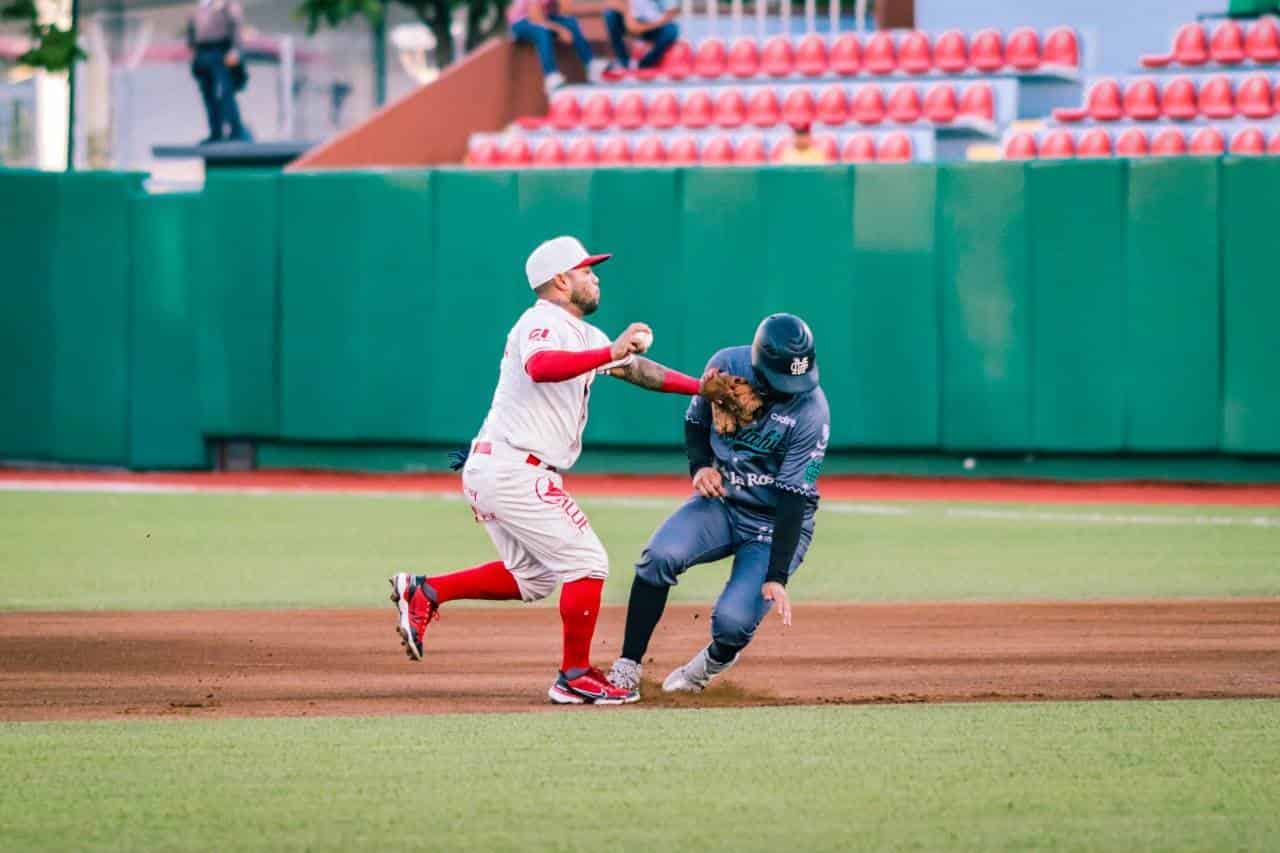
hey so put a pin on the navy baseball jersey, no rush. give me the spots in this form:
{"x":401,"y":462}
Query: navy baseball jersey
{"x":783,"y":449}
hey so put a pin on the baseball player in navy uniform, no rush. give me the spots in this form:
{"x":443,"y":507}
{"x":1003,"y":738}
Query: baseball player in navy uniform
{"x":756,"y":496}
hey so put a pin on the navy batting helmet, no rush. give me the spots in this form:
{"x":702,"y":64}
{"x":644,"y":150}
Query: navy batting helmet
{"x":783,"y":354}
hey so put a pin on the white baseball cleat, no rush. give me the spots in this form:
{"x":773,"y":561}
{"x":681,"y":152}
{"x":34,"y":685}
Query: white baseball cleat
{"x":694,"y":676}
{"x":625,"y":673}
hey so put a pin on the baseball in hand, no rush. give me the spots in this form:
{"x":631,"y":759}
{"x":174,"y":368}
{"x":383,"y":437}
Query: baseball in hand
{"x":645,"y":340}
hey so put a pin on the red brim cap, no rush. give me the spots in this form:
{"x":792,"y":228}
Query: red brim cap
{"x":592,"y":260}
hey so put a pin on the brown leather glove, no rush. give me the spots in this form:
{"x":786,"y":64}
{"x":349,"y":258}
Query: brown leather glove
{"x":734,"y":403}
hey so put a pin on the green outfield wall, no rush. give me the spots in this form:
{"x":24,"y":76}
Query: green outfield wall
{"x":1111,"y":309}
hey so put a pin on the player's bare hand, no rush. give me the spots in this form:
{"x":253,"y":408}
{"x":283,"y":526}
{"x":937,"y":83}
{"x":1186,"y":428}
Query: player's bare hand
{"x":631,"y":340}
{"x":708,"y":483}
{"x":777,"y":593}
{"x":232,"y":58}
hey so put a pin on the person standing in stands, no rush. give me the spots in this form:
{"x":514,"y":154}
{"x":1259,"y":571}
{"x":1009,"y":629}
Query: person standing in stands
{"x":645,"y":20}
{"x":801,"y":150}
{"x":541,"y":23}
{"x":214,"y":35}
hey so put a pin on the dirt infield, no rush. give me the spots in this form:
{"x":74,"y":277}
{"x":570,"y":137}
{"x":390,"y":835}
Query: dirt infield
{"x":58,"y":666}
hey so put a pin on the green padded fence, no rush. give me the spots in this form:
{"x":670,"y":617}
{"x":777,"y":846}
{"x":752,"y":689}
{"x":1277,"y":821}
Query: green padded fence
{"x":1049,"y":308}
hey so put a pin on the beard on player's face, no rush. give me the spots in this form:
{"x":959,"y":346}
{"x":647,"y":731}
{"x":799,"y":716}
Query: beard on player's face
{"x":585,"y":295}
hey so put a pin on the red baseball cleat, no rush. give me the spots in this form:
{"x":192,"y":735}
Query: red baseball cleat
{"x":590,"y":688}
{"x":417,"y":610}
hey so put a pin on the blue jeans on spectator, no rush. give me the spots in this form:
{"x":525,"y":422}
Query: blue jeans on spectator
{"x":544,"y":40}
{"x":216,"y":89}
{"x":661,"y":38}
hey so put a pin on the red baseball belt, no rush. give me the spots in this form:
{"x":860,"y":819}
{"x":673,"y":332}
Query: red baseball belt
{"x":485,"y":448}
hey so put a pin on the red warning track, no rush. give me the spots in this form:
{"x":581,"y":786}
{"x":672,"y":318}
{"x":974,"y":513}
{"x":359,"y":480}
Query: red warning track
{"x":833,"y":487}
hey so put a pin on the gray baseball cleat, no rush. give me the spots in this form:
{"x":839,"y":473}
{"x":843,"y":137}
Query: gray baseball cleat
{"x":625,"y":673}
{"x":694,"y":676}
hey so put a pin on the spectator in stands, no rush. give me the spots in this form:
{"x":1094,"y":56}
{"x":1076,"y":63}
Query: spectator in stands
{"x":214,"y":35}
{"x":645,"y":20}
{"x":800,"y":150}
{"x":540,"y":23}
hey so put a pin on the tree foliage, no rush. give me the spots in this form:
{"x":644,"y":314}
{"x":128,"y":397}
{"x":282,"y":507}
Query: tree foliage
{"x":484,"y":18}
{"x":53,"y":48}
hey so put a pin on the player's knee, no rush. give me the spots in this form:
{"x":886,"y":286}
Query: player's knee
{"x":733,"y":626}
{"x":537,"y":587}
{"x":660,"y":565}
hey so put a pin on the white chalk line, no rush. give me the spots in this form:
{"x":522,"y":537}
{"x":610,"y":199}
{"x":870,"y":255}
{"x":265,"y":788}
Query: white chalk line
{"x":895,"y":510}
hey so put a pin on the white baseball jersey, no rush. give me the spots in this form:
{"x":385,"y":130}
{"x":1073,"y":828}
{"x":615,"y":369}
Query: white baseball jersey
{"x":542,"y":418}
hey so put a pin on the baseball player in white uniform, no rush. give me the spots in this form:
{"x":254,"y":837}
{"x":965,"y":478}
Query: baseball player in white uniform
{"x":512,"y":476}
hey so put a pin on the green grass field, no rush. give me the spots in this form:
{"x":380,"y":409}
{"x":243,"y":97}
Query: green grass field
{"x":1100,"y":776}
{"x":1127,"y":776}
{"x":179,"y":551}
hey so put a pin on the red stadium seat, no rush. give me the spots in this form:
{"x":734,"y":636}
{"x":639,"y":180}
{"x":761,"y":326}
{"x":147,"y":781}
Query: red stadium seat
{"x":1104,"y":102}
{"x":868,"y":105}
{"x":1178,"y":101}
{"x":697,"y":110}
{"x":684,"y":151}
{"x":649,"y":151}
{"x":1249,"y":142}
{"x":750,"y":151}
{"x":711,"y":58}
{"x":1215,"y":98}
{"x":777,"y":60}
{"x":731,"y":109}
{"x":827,"y":145}
{"x":564,"y":112}
{"x":940,"y":103}
{"x":1094,"y":143}
{"x":1169,"y":143}
{"x":1227,"y":45}
{"x":1020,"y":146}
{"x":1061,"y":48}
{"x":531,"y":122}
{"x":1190,"y":45}
{"x":879,"y":56}
{"x":1262,"y":44}
{"x":763,"y":110}
{"x":914,"y":56}
{"x":1142,"y":100}
{"x":664,"y":111}
{"x":846,"y":55}
{"x":615,"y":151}
{"x":1253,"y":97}
{"x":744,"y":58}
{"x":629,"y":111}
{"x":978,"y":101}
{"x":811,"y":56}
{"x":718,"y":151}
{"x":1070,"y":115}
{"x":894,"y":148}
{"x":597,"y":111}
{"x":1132,"y":143}
{"x":861,"y":148}
{"x":1273,"y":147}
{"x":484,"y":154}
{"x":647,"y":73}
{"x":517,"y":153}
{"x":582,"y":152}
{"x":951,"y":52}
{"x":677,"y":62}
{"x":1022,"y":49}
{"x":1207,"y":141}
{"x":986,"y":53}
{"x":833,"y":106}
{"x":550,"y":152}
{"x":776,"y":152}
{"x":798,"y":108}
{"x":904,"y":105}
{"x":1057,"y":145}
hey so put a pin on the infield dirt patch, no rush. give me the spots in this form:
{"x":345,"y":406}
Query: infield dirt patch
{"x":87,"y":665}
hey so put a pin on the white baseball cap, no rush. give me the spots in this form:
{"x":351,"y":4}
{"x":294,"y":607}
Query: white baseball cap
{"x":558,"y":255}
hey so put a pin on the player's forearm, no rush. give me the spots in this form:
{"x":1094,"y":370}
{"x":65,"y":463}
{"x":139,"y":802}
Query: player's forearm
{"x":697,"y":446}
{"x":646,"y":373}
{"x":562,"y":365}
{"x":788,"y":520}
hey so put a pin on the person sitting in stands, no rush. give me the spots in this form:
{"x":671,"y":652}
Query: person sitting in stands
{"x":800,"y":150}
{"x":645,"y":20}
{"x":541,"y":23}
